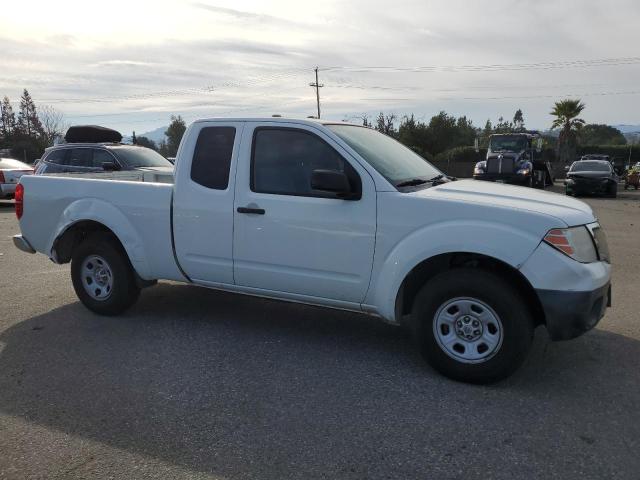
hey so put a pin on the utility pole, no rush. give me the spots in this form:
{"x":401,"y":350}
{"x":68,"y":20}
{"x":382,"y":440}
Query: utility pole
{"x":317,"y":86}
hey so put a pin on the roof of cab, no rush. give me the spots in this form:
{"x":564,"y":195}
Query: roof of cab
{"x":302,"y":121}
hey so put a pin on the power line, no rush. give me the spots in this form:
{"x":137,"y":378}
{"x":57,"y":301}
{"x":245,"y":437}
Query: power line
{"x":567,"y":95}
{"x":260,"y":79}
{"x":603,"y":62}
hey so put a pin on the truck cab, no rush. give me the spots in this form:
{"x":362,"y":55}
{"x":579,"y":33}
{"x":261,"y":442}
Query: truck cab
{"x":515,"y":158}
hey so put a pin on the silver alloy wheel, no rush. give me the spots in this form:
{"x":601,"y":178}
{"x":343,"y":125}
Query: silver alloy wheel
{"x":97,"y":278}
{"x":468,"y":330}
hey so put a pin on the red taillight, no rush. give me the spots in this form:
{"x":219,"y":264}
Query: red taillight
{"x":2,"y":177}
{"x":19,"y":198}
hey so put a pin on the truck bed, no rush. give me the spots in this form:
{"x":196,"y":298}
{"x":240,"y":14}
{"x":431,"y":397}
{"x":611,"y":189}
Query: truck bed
{"x":152,"y":176}
{"x":142,"y":210}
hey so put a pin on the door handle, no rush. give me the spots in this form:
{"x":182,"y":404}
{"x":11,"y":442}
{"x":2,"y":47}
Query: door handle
{"x":257,"y":211}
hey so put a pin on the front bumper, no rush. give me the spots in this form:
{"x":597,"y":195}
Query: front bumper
{"x":588,"y":187}
{"x":570,"y":314}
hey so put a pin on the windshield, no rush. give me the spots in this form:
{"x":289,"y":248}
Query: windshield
{"x":590,"y":166}
{"x":390,"y":158}
{"x":509,"y":143}
{"x":134,"y":157}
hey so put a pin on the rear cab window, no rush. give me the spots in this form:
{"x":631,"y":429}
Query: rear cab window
{"x":212,"y":157}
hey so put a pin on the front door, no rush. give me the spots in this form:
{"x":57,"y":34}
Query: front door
{"x":290,"y":238}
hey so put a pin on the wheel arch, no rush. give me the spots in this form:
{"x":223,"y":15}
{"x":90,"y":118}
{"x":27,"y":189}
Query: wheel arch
{"x":430,"y":267}
{"x":87,"y":216}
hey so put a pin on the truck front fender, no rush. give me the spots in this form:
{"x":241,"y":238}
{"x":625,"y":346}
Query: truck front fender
{"x":92,"y":209}
{"x":502,"y":242}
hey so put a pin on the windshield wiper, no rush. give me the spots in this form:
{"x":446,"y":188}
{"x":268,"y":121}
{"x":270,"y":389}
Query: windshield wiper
{"x":412,"y":182}
{"x":436,"y":178}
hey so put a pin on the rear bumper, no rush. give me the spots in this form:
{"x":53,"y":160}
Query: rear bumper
{"x":7,"y":190}
{"x":23,"y":244}
{"x":570,"y":314}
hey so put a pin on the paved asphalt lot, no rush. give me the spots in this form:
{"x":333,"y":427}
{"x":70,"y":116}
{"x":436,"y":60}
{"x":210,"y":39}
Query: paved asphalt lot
{"x":193,"y":383}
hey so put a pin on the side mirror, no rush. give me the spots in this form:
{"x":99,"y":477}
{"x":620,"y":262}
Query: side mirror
{"x":110,"y":166}
{"x":539,"y":145}
{"x":566,"y":168}
{"x":476,"y":145}
{"x":331,"y":181}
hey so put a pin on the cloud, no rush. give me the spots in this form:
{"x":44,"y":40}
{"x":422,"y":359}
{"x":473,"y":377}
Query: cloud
{"x":244,"y":16}
{"x":261,"y":61}
{"x":122,"y":63}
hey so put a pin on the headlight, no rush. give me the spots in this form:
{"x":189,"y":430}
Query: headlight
{"x":479,"y":168}
{"x":575,"y":242}
{"x":523,"y":171}
{"x":601,"y":243}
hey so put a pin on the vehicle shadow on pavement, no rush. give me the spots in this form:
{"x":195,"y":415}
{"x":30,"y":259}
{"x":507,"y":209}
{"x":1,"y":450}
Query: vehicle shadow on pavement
{"x":246,"y":387}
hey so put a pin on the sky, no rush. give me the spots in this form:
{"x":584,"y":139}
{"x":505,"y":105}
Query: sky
{"x":131,"y":64}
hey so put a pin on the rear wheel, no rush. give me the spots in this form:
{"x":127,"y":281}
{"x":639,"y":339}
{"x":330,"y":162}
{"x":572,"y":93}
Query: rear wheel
{"x":102,"y":275}
{"x":472,"y":326}
{"x":613,"y":190}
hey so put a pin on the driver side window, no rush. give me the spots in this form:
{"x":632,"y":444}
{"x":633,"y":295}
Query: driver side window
{"x":283,"y":160}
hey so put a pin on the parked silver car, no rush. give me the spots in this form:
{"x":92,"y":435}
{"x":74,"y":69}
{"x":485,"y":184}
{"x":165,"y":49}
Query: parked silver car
{"x":10,"y":172}
{"x":100,"y":157}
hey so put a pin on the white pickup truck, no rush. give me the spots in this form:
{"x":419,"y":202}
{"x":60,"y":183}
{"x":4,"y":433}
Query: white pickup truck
{"x":341,"y":216}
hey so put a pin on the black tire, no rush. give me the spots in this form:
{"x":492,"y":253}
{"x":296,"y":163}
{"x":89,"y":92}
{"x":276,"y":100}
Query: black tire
{"x":513,"y":314}
{"x":613,"y":190}
{"x":124,"y":291}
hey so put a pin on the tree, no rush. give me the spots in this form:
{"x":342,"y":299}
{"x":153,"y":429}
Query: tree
{"x":52,"y":125}
{"x":28,"y":122}
{"x":146,"y":142}
{"x":415,"y":135}
{"x":566,"y":113}
{"x":518,"y":121}
{"x":503,"y":126}
{"x":7,"y":121}
{"x":174,"y":133}
{"x":597,"y":134}
{"x":384,"y":124}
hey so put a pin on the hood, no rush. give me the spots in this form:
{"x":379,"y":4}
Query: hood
{"x":566,"y":209}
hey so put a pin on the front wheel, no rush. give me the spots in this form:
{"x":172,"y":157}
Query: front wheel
{"x":472,"y":325}
{"x":102,"y":275}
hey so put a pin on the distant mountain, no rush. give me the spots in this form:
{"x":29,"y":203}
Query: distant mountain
{"x":628,"y":128}
{"x":156,"y":135}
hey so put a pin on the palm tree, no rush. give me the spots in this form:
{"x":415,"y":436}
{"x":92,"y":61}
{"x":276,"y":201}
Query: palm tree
{"x":566,"y":113}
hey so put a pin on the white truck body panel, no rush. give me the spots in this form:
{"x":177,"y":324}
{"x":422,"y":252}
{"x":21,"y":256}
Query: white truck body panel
{"x":345,"y":254}
{"x":138,"y":213}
